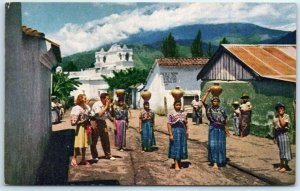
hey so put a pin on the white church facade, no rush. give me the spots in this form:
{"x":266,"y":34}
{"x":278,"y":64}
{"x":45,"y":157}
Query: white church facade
{"x":166,"y":74}
{"x":115,"y":59}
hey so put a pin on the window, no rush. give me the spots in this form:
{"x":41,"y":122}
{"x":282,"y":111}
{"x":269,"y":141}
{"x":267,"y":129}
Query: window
{"x":104,"y":59}
{"x":120,"y":55}
{"x":127,"y":56}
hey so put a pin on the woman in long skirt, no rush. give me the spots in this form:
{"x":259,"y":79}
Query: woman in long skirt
{"x":146,"y":127}
{"x":246,"y":111}
{"x":178,"y":134}
{"x":281,"y":126}
{"x":121,"y":123}
{"x":218,"y":128}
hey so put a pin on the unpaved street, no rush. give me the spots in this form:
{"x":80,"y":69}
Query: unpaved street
{"x":251,"y":161}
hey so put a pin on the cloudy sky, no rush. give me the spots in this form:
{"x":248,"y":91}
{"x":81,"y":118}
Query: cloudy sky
{"x":84,"y":26}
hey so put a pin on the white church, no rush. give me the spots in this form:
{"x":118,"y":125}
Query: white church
{"x":115,"y":59}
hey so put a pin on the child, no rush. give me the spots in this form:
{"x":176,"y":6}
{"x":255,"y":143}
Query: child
{"x":121,"y":122}
{"x":281,"y":124}
{"x":236,"y":117}
{"x":146,"y":127}
{"x":178,"y":134}
{"x":197,"y":110}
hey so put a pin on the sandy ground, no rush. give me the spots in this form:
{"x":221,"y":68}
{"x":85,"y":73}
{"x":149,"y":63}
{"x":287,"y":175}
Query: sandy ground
{"x":251,"y":161}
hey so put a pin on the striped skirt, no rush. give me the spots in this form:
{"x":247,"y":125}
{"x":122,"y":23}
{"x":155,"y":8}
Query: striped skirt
{"x":283,"y":145}
{"x":120,"y":136}
{"x":148,"y":139}
{"x":178,"y":147}
{"x":216,"y":145}
{"x":245,"y":123}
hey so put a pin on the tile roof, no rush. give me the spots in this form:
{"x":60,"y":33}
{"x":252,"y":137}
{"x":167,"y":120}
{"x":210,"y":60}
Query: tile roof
{"x":32,"y":32}
{"x":270,"y":61}
{"x":181,"y":61}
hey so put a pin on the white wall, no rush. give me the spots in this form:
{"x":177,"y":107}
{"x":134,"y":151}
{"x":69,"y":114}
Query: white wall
{"x":185,"y":77}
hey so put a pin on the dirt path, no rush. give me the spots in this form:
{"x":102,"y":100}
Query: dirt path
{"x":251,"y":161}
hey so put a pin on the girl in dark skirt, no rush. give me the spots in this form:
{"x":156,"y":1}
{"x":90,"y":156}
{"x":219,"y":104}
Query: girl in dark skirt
{"x":218,"y":129}
{"x":146,"y":127}
{"x":178,"y":134}
{"x":281,"y":125}
{"x":121,"y":124}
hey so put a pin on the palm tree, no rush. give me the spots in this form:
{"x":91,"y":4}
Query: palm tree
{"x":62,"y":85}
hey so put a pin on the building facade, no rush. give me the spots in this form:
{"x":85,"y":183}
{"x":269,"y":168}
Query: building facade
{"x":115,"y":59}
{"x":165,"y":75}
{"x":28,"y":65}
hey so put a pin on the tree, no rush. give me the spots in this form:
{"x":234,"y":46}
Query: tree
{"x":69,"y":66}
{"x":123,"y":79}
{"x":209,"y":50}
{"x":168,"y":47}
{"x":196,"y":47}
{"x":62,"y":85}
{"x":224,"y":41}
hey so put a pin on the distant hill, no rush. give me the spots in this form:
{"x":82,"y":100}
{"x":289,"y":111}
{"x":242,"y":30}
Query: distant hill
{"x":146,"y":44}
{"x":240,"y":33}
{"x":143,"y":57}
{"x":290,"y":38}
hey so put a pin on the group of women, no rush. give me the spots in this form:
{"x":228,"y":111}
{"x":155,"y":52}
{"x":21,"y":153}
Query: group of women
{"x":178,"y":131}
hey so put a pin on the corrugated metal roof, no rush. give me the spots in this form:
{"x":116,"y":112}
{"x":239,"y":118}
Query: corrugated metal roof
{"x":270,"y":61}
{"x":181,"y":61}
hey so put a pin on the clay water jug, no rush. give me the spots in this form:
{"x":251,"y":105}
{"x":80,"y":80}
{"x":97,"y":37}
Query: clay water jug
{"x":146,"y":95}
{"x":120,"y":92}
{"x":177,"y":93}
{"x":216,"y":90}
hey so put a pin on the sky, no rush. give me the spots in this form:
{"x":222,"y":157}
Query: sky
{"x":81,"y":27}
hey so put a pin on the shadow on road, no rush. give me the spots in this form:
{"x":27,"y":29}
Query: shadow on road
{"x":95,"y":183}
{"x":55,"y":165}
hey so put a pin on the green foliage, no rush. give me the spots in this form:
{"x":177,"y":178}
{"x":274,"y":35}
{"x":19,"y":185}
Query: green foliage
{"x":144,"y":56}
{"x":184,"y":51}
{"x":62,"y":85}
{"x":196,"y":48}
{"x":123,"y":79}
{"x":224,"y":41}
{"x":82,"y":60}
{"x":69,"y":66}
{"x":209,"y":50}
{"x":168,"y":47}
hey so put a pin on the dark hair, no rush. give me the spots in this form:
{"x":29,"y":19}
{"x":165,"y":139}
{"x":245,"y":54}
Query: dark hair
{"x":146,"y":103}
{"x":103,"y":95}
{"x":176,"y":101}
{"x":215,"y":97}
{"x":93,"y":118}
{"x":278,"y":105}
{"x":196,"y":96}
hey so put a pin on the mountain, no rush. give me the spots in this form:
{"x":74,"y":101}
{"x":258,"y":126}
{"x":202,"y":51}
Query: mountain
{"x":146,"y":44}
{"x":143,"y":57}
{"x":240,"y":33}
{"x":290,"y":38}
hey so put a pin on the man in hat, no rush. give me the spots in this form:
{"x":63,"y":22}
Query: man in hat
{"x":197,"y":110}
{"x":246,"y":109}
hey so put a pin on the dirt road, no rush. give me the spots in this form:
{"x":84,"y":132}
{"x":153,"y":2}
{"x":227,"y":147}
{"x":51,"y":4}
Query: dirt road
{"x":251,"y":161}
